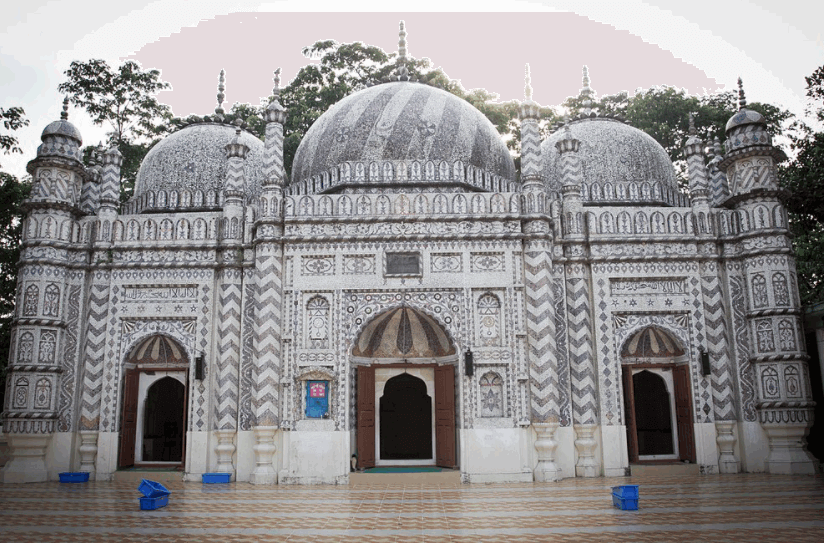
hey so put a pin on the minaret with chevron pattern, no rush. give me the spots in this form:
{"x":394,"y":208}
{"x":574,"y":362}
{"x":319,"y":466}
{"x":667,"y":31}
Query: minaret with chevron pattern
{"x":268,"y":272}
{"x":717,"y":347}
{"x":230,"y":279}
{"x":579,"y":310}
{"x":777,"y":350}
{"x":39,"y":340}
{"x":543,"y":375}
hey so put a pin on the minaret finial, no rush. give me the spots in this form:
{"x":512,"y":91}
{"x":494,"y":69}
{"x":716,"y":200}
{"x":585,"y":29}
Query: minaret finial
{"x":403,"y":72}
{"x":742,"y":100}
{"x":220,"y":96}
{"x":586,"y":92}
{"x":527,"y":84}
{"x":276,"y":79}
{"x":64,"y":115}
{"x":693,"y":131}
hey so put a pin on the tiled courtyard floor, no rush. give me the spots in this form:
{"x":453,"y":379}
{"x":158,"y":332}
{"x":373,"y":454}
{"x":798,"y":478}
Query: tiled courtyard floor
{"x":706,"y":508}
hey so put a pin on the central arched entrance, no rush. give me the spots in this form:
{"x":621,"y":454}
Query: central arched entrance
{"x":657,"y":399}
{"x":405,"y":393}
{"x":153,"y":426}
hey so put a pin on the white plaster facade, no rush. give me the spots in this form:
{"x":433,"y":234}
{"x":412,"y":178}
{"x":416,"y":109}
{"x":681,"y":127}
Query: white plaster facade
{"x":547,"y":279}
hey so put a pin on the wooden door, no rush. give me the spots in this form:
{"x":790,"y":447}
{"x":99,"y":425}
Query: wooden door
{"x":366,"y":417}
{"x":128,"y":429}
{"x":445,"y":417}
{"x":683,"y":413}
{"x":629,"y":410}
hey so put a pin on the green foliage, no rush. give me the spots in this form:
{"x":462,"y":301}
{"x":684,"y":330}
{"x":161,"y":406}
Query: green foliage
{"x":12,"y":194}
{"x":13,"y":118}
{"x":804,"y":178}
{"x":124,"y":100}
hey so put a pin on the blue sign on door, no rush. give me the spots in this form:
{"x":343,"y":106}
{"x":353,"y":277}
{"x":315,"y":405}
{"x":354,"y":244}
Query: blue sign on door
{"x":317,"y":399}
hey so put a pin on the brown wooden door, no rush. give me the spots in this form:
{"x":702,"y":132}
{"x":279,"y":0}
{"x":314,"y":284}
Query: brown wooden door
{"x":445,"y":417}
{"x":629,"y":410}
{"x":366,"y":417}
{"x":128,"y":429}
{"x":683,"y":413}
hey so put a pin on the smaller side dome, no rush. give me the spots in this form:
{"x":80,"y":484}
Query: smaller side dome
{"x":620,"y":164}
{"x":746,"y":127}
{"x":61,"y":138}
{"x":186,"y":171}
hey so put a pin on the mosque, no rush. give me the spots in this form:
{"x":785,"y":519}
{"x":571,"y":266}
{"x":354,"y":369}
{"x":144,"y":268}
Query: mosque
{"x":405,"y":299}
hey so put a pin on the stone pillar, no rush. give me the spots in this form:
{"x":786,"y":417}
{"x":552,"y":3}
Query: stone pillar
{"x":269,"y":270}
{"x":540,"y":324}
{"x":579,"y":310}
{"x":715,"y":311}
{"x":229,"y":319}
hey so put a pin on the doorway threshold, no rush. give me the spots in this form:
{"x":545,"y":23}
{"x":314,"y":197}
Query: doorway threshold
{"x":663,"y":468}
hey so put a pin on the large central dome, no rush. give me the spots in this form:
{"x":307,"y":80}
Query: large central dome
{"x":401,"y":136}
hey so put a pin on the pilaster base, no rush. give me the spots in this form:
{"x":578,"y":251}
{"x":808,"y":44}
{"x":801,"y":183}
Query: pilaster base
{"x":27,"y":460}
{"x":585,"y":445}
{"x":264,"y":473}
{"x":787,"y":453}
{"x":725,"y":438}
{"x":546,"y":470}
{"x":224,"y":450}
{"x":88,"y":452}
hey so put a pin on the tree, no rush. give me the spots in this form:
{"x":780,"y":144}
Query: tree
{"x":13,"y":119}
{"x":124,"y":99}
{"x":12,"y":194}
{"x":804,"y":178}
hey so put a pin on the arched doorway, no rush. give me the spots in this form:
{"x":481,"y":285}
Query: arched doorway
{"x":153,"y":424}
{"x":405,"y":393}
{"x":162,"y":436}
{"x":657,"y":399}
{"x":405,"y":419}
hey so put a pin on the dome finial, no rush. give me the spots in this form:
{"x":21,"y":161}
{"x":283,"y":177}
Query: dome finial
{"x":586,"y":93}
{"x":403,"y":72}
{"x":692,"y":131}
{"x":742,"y":100}
{"x":527,"y":84}
{"x":276,"y":79}
{"x":220,"y":96}
{"x":64,"y":115}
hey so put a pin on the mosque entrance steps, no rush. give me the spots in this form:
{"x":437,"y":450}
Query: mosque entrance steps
{"x":673,"y":469}
{"x":388,"y":476}
{"x":168,"y":475}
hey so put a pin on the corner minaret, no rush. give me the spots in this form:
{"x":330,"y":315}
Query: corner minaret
{"x":42,"y":352}
{"x":777,"y":354}
{"x":268,"y":242}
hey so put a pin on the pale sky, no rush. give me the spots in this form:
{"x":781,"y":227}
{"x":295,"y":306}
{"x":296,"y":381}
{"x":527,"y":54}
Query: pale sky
{"x":699,"y":45}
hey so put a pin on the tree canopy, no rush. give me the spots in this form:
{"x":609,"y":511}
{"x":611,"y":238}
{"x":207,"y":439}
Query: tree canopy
{"x":125,"y":100}
{"x":13,"y":118}
{"x":803,"y":178}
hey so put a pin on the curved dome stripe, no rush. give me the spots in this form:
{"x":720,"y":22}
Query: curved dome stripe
{"x":375,"y":148}
{"x":401,"y":122}
{"x":403,"y":333}
{"x":652,"y":342}
{"x":158,"y":350}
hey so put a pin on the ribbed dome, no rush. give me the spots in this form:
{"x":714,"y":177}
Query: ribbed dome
{"x":62,"y":128}
{"x":403,"y":333}
{"x":652,"y":343}
{"x":160,"y":350}
{"x":621,"y":164}
{"x":401,"y":135}
{"x":187,"y":169}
